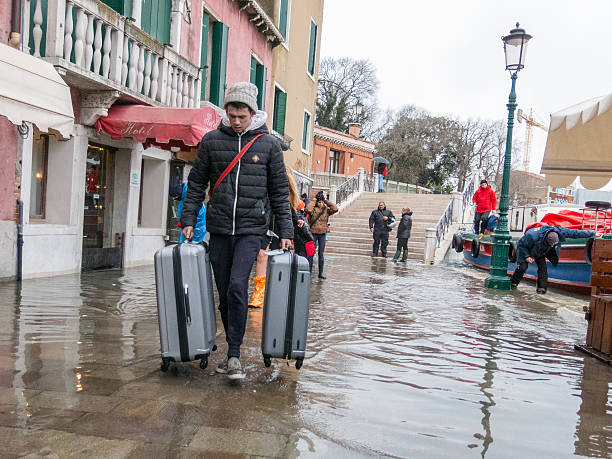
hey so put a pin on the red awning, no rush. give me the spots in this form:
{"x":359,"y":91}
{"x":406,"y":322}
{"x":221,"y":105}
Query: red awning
{"x":159,"y":126}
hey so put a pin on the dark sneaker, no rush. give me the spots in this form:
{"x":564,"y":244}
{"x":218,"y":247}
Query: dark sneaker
{"x":234,"y":369}
{"x":222,"y":367}
{"x":541,"y":291}
{"x":513,"y":286}
{"x":322,"y":276}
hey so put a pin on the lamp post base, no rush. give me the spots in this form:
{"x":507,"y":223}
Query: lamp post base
{"x":498,"y":283}
{"x":499,"y":262}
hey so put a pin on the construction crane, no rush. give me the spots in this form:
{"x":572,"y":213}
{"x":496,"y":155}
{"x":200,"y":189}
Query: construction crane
{"x":530,"y":121}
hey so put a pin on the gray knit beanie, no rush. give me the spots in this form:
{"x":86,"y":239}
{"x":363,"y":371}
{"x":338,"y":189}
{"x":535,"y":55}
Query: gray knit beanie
{"x":552,"y":238}
{"x":244,"y":92}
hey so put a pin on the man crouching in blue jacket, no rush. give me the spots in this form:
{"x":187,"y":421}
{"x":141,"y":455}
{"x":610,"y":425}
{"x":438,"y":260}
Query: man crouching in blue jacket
{"x":537,"y":245}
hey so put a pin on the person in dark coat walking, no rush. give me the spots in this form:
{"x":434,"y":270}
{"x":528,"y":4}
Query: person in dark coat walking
{"x":537,"y":245}
{"x":240,"y":206}
{"x":380,"y":219}
{"x":403,"y":234}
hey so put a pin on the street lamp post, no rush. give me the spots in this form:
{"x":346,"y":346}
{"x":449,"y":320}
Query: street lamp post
{"x":515,"y":48}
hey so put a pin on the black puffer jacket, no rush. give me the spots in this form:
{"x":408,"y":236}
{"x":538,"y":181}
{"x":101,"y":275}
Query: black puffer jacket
{"x":260,"y":178}
{"x":378,"y":223}
{"x":405,"y":226}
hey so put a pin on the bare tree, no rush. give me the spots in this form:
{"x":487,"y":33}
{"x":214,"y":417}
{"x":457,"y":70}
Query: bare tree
{"x":344,"y":85}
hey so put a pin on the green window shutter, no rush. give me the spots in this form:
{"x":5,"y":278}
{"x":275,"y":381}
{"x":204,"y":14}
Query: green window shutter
{"x":305,"y":131}
{"x":260,"y":82}
{"x":155,"y":19}
{"x":127,"y":8}
{"x":146,"y":16}
{"x":253,"y":73}
{"x":218,"y":63}
{"x":313,"y":48}
{"x":117,"y":5}
{"x":280,"y":108}
{"x":282,"y":21}
{"x":204,"y":53}
{"x":164,"y":16}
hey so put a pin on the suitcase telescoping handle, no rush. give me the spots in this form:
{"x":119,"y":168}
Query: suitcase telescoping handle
{"x":190,"y":241}
{"x":187,"y":309}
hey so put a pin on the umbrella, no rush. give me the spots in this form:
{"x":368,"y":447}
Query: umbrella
{"x":380,"y":159}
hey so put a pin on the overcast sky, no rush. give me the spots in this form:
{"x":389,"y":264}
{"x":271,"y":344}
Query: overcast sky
{"x":447,"y":57}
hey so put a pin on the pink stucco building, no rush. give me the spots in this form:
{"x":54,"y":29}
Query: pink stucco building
{"x":91,"y":200}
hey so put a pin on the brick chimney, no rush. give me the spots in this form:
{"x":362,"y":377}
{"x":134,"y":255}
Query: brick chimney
{"x":354,"y":129}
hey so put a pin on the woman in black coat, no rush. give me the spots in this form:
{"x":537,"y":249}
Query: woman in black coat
{"x":403,"y":234}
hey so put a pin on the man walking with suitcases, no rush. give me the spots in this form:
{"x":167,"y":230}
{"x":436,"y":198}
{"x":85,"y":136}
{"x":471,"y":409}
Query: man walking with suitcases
{"x":243,"y":165}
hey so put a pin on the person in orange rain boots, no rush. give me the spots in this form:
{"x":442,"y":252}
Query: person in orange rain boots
{"x":303,"y":243}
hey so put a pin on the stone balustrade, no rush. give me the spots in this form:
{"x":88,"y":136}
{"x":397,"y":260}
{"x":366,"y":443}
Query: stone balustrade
{"x":90,"y":39}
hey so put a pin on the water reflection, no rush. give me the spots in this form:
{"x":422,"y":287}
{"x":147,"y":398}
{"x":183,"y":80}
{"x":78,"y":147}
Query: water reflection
{"x":594,"y":428}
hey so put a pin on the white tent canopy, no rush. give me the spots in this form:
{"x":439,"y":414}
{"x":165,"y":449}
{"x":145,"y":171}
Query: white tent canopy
{"x":32,"y":91}
{"x":580,"y":144}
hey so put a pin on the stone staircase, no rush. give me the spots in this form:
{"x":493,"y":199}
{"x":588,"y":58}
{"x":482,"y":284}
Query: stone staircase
{"x":350,"y":233}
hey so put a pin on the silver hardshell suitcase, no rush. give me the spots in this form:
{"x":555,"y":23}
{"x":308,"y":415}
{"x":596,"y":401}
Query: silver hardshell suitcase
{"x":185,"y":303}
{"x":286,"y":305}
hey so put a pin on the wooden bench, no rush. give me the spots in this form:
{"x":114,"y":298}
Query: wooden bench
{"x":599,"y":314}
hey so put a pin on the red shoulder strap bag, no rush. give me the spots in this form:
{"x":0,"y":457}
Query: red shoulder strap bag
{"x":233,"y":164}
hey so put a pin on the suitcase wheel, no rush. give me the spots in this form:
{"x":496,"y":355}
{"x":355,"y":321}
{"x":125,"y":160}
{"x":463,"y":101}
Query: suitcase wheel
{"x":204,"y":362}
{"x":298,"y":363}
{"x":267,"y":361}
{"x":165,"y":365}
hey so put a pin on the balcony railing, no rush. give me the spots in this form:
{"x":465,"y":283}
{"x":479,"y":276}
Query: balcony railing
{"x":87,"y":39}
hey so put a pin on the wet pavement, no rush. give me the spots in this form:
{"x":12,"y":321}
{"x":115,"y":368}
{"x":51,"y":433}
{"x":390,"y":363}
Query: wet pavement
{"x":403,"y":361}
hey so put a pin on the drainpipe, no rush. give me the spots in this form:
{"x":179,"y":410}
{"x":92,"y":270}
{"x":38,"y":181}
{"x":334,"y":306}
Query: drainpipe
{"x":20,"y":241}
{"x":15,"y":37}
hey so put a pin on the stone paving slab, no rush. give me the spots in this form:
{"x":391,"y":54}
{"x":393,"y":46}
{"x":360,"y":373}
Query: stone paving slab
{"x":74,"y":401}
{"x":54,"y":443}
{"x":240,"y":442}
{"x":153,"y":430}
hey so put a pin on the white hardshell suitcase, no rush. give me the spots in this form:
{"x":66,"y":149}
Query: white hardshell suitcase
{"x":286,"y":307}
{"x":185,"y":303}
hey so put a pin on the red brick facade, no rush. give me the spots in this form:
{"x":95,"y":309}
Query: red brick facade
{"x":343,"y":153}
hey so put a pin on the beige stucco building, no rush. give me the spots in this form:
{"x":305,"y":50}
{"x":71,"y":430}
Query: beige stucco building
{"x":294,"y":77}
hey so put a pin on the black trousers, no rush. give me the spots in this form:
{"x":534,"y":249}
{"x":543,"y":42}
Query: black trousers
{"x":232,"y":259}
{"x":542,"y":282}
{"x":480,"y":222}
{"x":381,"y":238}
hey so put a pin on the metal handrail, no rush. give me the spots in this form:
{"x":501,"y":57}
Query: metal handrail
{"x":444,"y":223}
{"x":347,"y":189}
{"x":369,"y":183}
{"x":446,"y":220}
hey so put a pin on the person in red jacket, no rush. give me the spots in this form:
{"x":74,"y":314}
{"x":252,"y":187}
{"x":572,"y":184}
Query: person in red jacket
{"x":485,"y":201}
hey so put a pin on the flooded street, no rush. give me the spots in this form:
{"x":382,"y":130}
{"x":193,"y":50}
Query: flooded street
{"x":403,"y":361}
